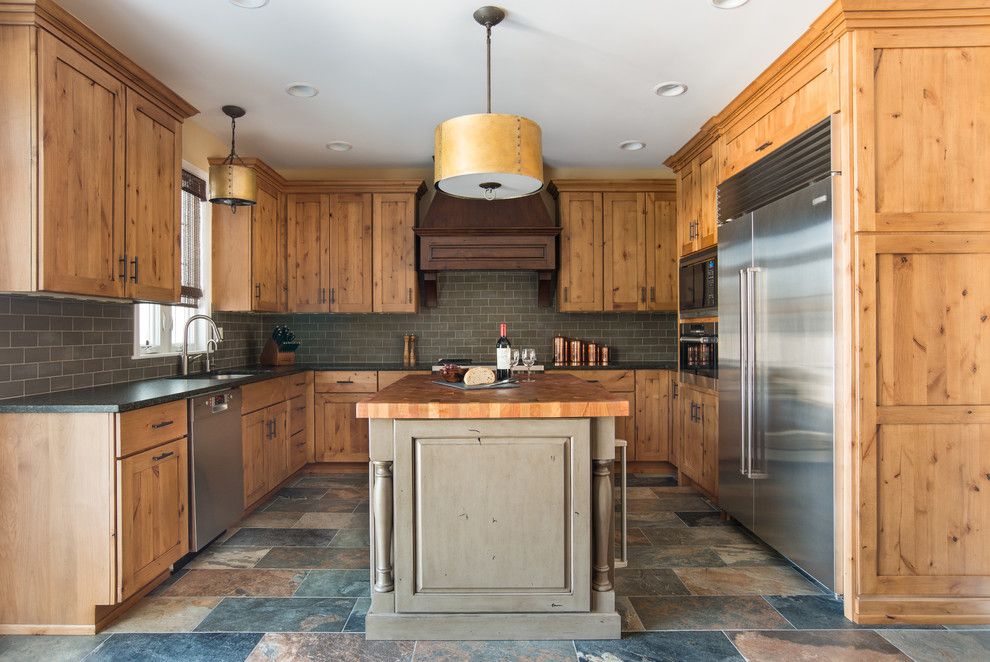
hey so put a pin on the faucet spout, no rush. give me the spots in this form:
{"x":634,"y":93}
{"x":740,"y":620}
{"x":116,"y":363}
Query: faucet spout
{"x":214,"y":340}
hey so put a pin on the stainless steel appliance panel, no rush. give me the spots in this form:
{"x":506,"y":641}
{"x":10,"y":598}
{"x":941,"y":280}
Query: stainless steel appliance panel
{"x":794,"y":392}
{"x":735,"y":255}
{"x":216,"y":465}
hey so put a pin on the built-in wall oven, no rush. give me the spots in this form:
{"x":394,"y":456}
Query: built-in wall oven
{"x":698,"y":281}
{"x":699,"y":349}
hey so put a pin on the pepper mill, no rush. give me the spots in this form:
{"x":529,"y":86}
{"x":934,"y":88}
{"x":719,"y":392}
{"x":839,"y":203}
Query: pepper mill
{"x":406,"y":346}
{"x":412,"y":351}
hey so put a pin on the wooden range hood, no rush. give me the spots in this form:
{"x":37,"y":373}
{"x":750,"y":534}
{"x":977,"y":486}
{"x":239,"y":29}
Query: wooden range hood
{"x":458,"y":234}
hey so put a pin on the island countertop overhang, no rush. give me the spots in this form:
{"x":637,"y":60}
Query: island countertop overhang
{"x":550,"y":396}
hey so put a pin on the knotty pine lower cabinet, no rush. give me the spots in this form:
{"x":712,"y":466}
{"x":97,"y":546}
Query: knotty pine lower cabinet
{"x":153,"y":514}
{"x":654,"y":432}
{"x":267,"y":450}
{"x":699,"y":437}
{"x":340,"y":435}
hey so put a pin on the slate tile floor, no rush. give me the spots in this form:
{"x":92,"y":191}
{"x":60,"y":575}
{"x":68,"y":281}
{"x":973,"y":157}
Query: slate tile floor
{"x":290,"y":582}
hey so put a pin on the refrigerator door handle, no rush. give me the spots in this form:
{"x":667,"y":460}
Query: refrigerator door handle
{"x":752,"y":288}
{"x":743,"y":368}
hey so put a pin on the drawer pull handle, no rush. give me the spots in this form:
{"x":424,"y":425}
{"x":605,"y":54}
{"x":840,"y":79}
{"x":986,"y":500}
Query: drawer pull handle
{"x":345,"y":381}
{"x":592,"y":381}
{"x":163,"y":424}
{"x":162,"y":456}
{"x":764,"y":146}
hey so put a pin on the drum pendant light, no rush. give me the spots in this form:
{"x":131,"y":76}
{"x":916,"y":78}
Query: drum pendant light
{"x":231,"y":182}
{"x":488,"y":155}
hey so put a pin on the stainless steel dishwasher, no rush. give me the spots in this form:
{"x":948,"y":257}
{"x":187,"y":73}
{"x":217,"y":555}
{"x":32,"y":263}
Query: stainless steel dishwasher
{"x":216,"y":486}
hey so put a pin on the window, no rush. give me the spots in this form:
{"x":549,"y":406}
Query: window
{"x":158,"y":328}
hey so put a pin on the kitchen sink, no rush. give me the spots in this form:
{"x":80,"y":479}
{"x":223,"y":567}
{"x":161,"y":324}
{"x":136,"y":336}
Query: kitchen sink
{"x":233,"y":375}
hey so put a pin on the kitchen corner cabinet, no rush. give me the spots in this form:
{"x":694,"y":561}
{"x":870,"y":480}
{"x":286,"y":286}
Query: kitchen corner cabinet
{"x":340,"y":435}
{"x":698,"y":414}
{"x":353,"y":251}
{"x":91,"y":158}
{"x":249,"y":250}
{"x":617,"y":245}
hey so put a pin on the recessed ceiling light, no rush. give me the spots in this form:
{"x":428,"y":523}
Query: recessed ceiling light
{"x":339,"y":146}
{"x":249,"y":4}
{"x":632,"y":145}
{"x":302,"y":90}
{"x":670,"y":88}
{"x":729,"y":4}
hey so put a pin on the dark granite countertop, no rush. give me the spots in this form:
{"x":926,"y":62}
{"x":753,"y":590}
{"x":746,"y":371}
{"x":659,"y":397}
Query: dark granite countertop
{"x":146,"y":393}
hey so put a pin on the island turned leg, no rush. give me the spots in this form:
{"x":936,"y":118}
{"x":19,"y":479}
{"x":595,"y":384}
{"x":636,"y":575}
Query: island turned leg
{"x":602,"y":485}
{"x":383,"y":527}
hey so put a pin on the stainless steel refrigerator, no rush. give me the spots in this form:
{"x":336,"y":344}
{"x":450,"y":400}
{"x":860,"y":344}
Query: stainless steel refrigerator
{"x":776,"y":346}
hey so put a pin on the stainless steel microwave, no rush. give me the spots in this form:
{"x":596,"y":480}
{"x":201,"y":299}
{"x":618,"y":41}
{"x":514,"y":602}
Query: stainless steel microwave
{"x":699,"y":284}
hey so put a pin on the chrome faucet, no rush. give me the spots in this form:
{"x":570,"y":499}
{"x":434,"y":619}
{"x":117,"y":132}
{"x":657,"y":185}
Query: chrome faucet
{"x":215,"y":340}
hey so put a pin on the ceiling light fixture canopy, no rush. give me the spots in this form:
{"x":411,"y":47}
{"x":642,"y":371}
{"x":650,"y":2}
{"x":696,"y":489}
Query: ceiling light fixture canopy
{"x":488,"y":155}
{"x":231,"y":182}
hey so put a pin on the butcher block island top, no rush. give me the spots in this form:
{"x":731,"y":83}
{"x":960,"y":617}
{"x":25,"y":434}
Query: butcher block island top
{"x":549,"y":396}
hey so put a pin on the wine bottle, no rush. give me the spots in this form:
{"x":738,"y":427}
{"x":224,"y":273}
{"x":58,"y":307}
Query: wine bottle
{"x":502,"y":350}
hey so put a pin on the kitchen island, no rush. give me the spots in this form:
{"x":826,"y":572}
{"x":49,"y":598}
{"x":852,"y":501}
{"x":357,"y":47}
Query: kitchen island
{"x":492,"y":510}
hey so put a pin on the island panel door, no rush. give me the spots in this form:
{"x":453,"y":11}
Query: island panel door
{"x":492,"y":516}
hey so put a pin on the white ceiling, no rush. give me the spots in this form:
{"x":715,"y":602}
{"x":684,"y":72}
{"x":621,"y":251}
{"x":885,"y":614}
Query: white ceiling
{"x":389,"y":71}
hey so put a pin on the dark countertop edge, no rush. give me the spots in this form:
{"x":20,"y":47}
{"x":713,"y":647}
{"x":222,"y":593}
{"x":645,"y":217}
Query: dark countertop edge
{"x":63,"y":401}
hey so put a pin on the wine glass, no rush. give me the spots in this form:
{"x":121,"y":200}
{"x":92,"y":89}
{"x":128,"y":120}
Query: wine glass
{"x":529,"y":359}
{"x":513,"y":361}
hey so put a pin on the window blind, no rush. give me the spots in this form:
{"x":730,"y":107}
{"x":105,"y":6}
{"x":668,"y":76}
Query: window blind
{"x":193,"y":195}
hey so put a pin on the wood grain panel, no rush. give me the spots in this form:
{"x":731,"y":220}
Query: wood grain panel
{"x":624,"y":234}
{"x":652,"y":441}
{"x":145,"y":428}
{"x":351,"y":253}
{"x":340,"y":435}
{"x":308,"y":252}
{"x":580,"y":278}
{"x":661,"y":253}
{"x":934,"y":500}
{"x":82,"y":112}
{"x":254,"y":442}
{"x":936,"y":93}
{"x":345,"y":381}
{"x":266,"y":288}
{"x":152,"y":203}
{"x":933,"y":328}
{"x":395,"y":285}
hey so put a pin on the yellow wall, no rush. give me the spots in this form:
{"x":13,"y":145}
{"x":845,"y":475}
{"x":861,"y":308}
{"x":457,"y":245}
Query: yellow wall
{"x":198,"y":145}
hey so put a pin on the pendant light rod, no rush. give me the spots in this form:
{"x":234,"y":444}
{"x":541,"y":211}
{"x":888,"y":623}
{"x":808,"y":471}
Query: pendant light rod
{"x":489,"y":16}
{"x":233,"y":112}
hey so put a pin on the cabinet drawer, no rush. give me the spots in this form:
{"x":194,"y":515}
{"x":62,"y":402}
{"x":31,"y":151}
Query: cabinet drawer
{"x":148,"y":427}
{"x":297,"y":451}
{"x":262,"y":394}
{"x":616,"y":381}
{"x":297,"y":414}
{"x":296,"y":384}
{"x":339,"y":381}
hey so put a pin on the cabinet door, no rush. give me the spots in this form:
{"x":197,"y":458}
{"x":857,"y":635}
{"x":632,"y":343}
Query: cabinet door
{"x":624,"y":253}
{"x":255,"y":435}
{"x":278,"y":444}
{"x":340,"y":435}
{"x":154,"y":157}
{"x":395,"y":289}
{"x":708,"y":478}
{"x":81,"y":110}
{"x":152,"y":514}
{"x":308,"y":252}
{"x":661,"y":253}
{"x":266,"y":290}
{"x":707,"y":212}
{"x":692,"y":440}
{"x":687,"y":221}
{"x":580,"y":278}
{"x":652,"y":416}
{"x":625,"y":426}
{"x":350,"y":253}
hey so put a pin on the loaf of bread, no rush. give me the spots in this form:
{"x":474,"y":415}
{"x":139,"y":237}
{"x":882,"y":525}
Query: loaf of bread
{"x":479,"y":376}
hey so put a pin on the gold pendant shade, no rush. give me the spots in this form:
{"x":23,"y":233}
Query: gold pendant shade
{"x":488,"y":152}
{"x":233,"y":185}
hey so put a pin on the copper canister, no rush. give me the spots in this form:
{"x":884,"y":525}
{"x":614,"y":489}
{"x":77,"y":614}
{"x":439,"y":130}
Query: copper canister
{"x":559,"y":350}
{"x":603,"y":355}
{"x":575,"y":352}
{"x":592,"y":355}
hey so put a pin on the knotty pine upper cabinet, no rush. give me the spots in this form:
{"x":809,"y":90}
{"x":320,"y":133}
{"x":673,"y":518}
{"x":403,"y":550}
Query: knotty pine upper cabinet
{"x":617,"y":245}
{"x":350,"y":239}
{"x":249,"y":248}
{"x":579,"y":279}
{"x":90,"y":154}
{"x":395,"y":281}
{"x":308,"y":252}
{"x":697,"y":220}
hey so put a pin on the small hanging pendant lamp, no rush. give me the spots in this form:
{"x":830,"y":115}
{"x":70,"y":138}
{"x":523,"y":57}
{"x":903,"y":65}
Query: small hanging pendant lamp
{"x":231,"y":182}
